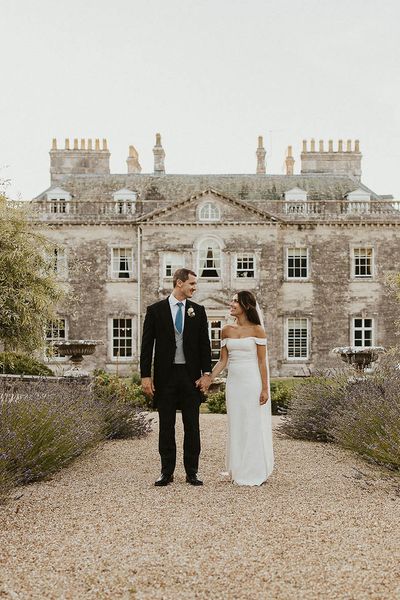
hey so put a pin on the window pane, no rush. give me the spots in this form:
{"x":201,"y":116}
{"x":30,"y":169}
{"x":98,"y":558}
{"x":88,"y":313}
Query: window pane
{"x":214,"y":328}
{"x":297,"y":263}
{"x":362,"y":262}
{"x":297,"y":338}
{"x":122,"y":338}
{"x":245,"y":265}
{"x":172,"y":262}
{"x":122,"y":263}
{"x":210,"y":259}
{"x":55,"y":331}
{"x":363,"y":332}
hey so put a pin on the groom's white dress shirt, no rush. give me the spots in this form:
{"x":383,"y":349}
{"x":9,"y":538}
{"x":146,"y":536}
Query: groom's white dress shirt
{"x":173,"y":304}
{"x":179,"y":353}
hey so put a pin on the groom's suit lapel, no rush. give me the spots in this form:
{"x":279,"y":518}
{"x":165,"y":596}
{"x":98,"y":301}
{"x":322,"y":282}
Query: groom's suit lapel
{"x":166,"y":310}
{"x":188,"y":321}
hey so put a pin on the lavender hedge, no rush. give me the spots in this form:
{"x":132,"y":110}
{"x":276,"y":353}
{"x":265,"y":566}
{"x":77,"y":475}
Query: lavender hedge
{"x":45,"y":424}
{"x":359,"y":413}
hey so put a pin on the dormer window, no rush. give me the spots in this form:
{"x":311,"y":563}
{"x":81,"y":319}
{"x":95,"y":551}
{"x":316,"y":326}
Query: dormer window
{"x":209,"y":212}
{"x":295,"y":200}
{"x":58,"y":201}
{"x":358,"y":201}
{"x":125,"y":202}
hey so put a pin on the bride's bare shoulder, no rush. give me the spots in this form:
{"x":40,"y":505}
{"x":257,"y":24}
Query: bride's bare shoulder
{"x":259,"y":331}
{"x":227,"y":331}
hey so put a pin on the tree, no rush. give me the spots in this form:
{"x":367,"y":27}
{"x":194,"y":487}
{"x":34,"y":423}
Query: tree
{"x":29,"y":291}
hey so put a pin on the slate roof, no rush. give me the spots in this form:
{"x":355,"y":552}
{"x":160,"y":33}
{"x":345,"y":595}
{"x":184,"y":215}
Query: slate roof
{"x":165,"y":189}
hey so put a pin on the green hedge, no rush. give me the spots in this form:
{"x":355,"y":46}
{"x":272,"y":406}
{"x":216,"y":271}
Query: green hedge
{"x":281,"y":393}
{"x":18,"y":363}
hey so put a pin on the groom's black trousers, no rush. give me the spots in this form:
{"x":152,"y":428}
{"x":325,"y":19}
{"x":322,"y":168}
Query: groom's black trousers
{"x":179,"y":393}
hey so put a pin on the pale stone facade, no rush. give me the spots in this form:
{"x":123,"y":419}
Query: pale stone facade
{"x":315,"y":247}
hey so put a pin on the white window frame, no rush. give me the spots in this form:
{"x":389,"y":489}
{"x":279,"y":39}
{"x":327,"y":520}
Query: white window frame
{"x":212,"y":210}
{"x":215,"y":335}
{"x":213,"y":244}
{"x":363,"y":330}
{"x":287,"y":327}
{"x":125,"y":202}
{"x":58,"y":206}
{"x":244,"y":256}
{"x":115,"y":272}
{"x":111,"y":328}
{"x":54,"y":357}
{"x":353,"y":263}
{"x":58,"y":201}
{"x":175,"y":259}
{"x":307,"y":256}
{"x":60,"y":263}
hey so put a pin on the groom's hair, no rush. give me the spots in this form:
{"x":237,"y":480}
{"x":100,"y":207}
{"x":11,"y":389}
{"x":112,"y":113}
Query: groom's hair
{"x":183,"y":275}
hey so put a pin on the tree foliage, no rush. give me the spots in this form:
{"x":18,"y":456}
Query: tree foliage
{"x":29,"y":290}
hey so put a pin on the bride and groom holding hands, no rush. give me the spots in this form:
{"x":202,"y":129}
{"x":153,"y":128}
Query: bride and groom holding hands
{"x":176,"y":330}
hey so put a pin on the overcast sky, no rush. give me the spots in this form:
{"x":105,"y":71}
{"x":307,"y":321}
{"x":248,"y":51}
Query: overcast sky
{"x":209,"y":75}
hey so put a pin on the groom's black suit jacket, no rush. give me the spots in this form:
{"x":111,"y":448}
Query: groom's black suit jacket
{"x":158,"y":329}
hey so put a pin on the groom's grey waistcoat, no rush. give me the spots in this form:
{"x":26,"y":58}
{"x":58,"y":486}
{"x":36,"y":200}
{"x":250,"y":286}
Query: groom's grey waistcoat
{"x":179,"y":353}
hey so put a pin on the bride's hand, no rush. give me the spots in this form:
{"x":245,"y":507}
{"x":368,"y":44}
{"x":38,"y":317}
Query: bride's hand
{"x":264,"y":397}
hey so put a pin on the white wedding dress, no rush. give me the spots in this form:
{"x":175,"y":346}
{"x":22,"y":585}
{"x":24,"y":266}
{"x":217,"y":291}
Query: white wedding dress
{"x":250,"y":456}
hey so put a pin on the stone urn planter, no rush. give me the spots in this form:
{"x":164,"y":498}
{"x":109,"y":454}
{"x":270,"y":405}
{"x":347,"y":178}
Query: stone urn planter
{"x":76,"y":350}
{"x":359,"y":357}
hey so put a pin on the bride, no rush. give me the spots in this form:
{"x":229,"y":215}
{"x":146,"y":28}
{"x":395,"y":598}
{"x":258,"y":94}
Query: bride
{"x":250,"y":457}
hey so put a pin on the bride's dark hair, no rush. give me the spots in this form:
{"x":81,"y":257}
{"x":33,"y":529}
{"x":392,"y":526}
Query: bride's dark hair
{"x":248,"y":302}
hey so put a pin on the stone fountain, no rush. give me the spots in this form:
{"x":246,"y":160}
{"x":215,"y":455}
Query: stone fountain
{"x":359,"y":357}
{"x":76,"y":350}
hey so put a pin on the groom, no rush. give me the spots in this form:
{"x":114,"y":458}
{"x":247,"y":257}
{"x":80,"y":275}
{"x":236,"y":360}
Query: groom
{"x":182,"y":367}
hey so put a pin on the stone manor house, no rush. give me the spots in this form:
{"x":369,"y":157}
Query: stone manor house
{"x":315,"y":246}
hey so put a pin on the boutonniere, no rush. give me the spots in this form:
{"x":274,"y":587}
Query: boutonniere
{"x":191,"y":312}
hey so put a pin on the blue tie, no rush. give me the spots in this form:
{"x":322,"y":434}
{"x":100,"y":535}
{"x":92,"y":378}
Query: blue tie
{"x":179,"y":318}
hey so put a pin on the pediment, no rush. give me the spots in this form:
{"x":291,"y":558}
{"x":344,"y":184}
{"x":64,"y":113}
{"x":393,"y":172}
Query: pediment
{"x":295,"y":193}
{"x":125,"y":194}
{"x":359,"y":194}
{"x":231,"y":210}
{"x":58,"y":193}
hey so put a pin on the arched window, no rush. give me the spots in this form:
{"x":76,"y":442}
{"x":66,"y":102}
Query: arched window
{"x":209,"y":212}
{"x":209,"y":259}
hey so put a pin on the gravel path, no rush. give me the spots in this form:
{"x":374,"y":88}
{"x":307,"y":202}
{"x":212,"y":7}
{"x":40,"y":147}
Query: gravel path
{"x":326,"y":525}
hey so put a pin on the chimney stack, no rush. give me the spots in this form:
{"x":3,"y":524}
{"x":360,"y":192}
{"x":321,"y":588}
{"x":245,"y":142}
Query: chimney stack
{"x":289,"y":161}
{"x":159,"y":155}
{"x":133,"y":161}
{"x":260,"y":157}
{"x":342,"y":161}
{"x":78,"y":159}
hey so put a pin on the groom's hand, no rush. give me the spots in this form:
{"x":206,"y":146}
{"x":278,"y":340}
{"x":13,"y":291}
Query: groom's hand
{"x":148,"y":386}
{"x":204,"y":383}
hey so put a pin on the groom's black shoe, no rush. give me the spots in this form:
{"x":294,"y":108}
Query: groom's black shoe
{"x":164,"y":479}
{"x":192,"y":479}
